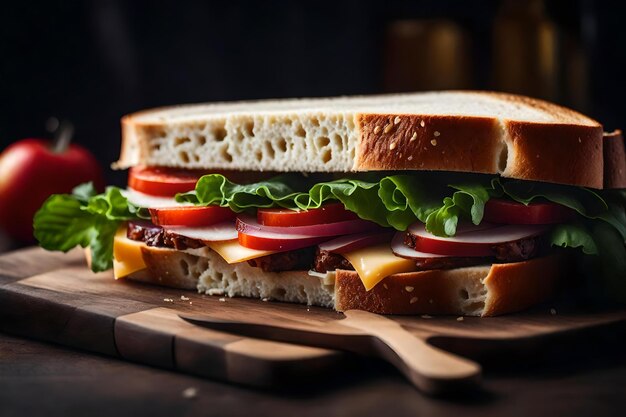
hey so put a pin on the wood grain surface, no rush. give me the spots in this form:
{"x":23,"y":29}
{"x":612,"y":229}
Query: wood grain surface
{"x":55,"y":298}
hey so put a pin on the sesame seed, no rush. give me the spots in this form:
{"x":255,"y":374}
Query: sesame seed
{"x":460,"y":318}
{"x":431,"y":301}
{"x":553,"y":311}
{"x":422,"y":123}
{"x":396,"y":120}
{"x":414,"y":137}
{"x":386,"y":287}
{"x":436,"y":133}
{"x":377,"y":129}
{"x":413,"y":300}
{"x":222,"y":299}
{"x":388,"y":128}
{"x":433,"y":142}
{"x":392,"y":146}
{"x":408,"y":288}
{"x":410,"y":158}
{"x":580,"y":140}
{"x":426,"y":316}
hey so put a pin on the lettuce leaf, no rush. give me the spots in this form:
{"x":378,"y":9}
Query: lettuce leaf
{"x":84,"y":219}
{"x":573,"y":235}
{"x":468,"y":202}
{"x":216,"y":189}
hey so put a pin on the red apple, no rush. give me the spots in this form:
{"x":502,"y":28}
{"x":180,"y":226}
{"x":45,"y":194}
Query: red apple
{"x":30,"y":171}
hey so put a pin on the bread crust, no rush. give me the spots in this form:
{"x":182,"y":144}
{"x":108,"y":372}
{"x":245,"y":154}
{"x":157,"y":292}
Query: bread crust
{"x":412,"y":142}
{"x":563,"y":154}
{"x":566,"y":149}
{"x":614,"y":160}
{"x":489,"y":290}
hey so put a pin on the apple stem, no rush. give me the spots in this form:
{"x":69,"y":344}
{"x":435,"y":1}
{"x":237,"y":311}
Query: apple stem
{"x":63,"y":137}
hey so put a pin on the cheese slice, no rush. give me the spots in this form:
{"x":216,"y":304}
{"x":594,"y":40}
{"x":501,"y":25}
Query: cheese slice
{"x":374,"y":263}
{"x":127,"y":256}
{"x":233,"y":252}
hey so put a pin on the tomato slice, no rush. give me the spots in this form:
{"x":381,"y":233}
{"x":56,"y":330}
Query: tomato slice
{"x":266,"y":243}
{"x":512,"y":212}
{"x":328,"y":213}
{"x":475,"y":241}
{"x":160,"y":181}
{"x":190,"y":216}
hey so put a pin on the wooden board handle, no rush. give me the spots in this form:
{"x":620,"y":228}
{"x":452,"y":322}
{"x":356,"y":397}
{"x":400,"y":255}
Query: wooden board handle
{"x":430,"y":369}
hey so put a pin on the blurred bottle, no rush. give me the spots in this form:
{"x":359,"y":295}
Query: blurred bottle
{"x":430,"y":54}
{"x":525,"y":47}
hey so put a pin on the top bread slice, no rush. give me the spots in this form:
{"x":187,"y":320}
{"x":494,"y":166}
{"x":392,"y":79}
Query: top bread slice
{"x":480,"y":132}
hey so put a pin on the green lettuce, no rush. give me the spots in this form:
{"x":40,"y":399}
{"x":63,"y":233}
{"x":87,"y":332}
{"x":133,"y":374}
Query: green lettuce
{"x":86,"y":219}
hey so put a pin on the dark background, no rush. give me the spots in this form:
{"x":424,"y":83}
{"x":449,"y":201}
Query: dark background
{"x":93,"y":61}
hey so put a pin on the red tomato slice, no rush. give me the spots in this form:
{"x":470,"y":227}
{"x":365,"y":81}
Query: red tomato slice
{"x":328,"y":213}
{"x":512,"y":212}
{"x":475,"y":241}
{"x":265,"y":243}
{"x":190,"y":216}
{"x":165,"y":182}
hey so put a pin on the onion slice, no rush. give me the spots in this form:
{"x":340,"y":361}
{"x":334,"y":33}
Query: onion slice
{"x":399,"y":248}
{"x":473,"y":240}
{"x":349,"y":243}
{"x":214,"y":233}
{"x":149,"y":201}
{"x":250,"y":226}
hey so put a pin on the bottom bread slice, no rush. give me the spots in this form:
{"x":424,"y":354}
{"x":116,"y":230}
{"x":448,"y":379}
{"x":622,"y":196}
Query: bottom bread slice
{"x":487,"y":290}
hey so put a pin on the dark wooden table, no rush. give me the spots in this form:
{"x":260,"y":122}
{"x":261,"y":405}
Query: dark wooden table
{"x":588,"y":379}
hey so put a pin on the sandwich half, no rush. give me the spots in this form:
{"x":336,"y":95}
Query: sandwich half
{"x":465,"y":203}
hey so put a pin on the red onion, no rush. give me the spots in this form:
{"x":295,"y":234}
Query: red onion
{"x":213,"y":233}
{"x":250,"y":226}
{"x":349,"y":243}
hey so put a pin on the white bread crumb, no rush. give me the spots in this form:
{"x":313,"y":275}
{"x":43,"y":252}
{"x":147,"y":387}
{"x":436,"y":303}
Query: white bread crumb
{"x":190,"y":393}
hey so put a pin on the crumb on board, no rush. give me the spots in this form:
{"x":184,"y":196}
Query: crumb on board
{"x":183,"y":298}
{"x":553,"y":311}
{"x":426,"y":316}
{"x":190,"y":393}
{"x":222,"y":299}
{"x":168,"y":300}
{"x":461,"y":318}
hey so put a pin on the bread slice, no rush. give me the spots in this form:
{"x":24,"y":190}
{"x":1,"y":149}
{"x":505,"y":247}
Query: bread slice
{"x":515,"y":136}
{"x":488,"y":290}
{"x":614,"y":160}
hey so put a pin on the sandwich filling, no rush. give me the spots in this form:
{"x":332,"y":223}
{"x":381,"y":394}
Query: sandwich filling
{"x":375,"y":223}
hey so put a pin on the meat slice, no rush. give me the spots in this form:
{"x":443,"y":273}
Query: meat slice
{"x":156,"y":236}
{"x":294,"y":260}
{"x":328,"y":261}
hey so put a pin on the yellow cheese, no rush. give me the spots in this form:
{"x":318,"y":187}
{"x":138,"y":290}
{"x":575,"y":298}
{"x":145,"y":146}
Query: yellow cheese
{"x":377,"y":262}
{"x":127,"y":256}
{"x":233,"y":252}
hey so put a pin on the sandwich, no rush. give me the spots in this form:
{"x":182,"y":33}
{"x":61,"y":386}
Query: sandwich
{"x":463,"y":203}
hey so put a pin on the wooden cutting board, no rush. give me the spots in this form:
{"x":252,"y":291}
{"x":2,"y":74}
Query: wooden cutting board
{"x":54,"y":297}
